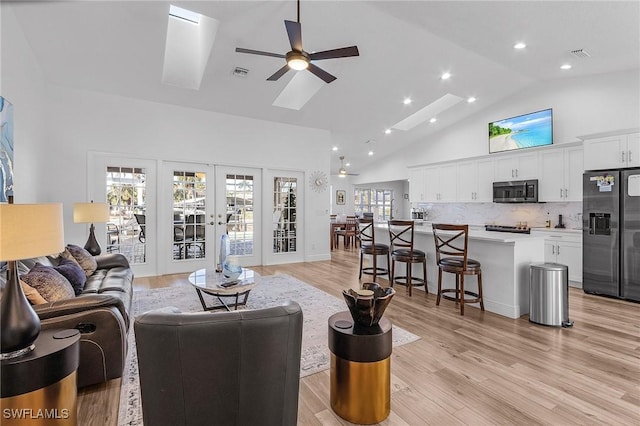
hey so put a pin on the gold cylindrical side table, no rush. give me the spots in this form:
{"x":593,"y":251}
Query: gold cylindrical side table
{"x":39,"y":388}
{"x":360,"y":369}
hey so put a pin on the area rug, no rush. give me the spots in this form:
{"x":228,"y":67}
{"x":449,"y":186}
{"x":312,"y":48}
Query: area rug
{"x":317,"y":306}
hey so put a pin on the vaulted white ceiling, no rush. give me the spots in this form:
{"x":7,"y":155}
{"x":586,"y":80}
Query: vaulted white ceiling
{"x":119,"y":46}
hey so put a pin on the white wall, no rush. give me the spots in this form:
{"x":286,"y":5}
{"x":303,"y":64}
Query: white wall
{"x":23,"y":85}
{"x":56,"y":129}
{"x":342,"y":184}
{"x":581,"y":106}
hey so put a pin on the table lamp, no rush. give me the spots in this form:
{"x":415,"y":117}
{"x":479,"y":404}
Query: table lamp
{"x":91,"y":213}
{"x":26,"y":231}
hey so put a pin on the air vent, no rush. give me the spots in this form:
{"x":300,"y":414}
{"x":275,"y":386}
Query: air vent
{"x":580,"y":53}
{"x":240,"y":72}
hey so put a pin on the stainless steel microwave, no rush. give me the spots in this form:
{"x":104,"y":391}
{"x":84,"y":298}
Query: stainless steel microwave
{"x":517,"y":191}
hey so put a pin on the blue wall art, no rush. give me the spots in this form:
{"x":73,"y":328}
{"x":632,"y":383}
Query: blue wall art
{"x":6,"y":150}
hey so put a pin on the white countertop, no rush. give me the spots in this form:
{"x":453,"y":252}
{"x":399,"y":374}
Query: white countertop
{"x":476,"y":234}
{"x":564,"y":230}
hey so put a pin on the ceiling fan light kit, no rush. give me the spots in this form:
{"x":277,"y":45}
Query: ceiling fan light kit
{"x":297,"y":59}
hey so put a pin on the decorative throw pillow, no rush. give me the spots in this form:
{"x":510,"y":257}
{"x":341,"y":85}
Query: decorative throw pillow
{"x":49,"y":283}
{"x":32,"y":294}
{"x":86,"y":261}
{"x":73,"y":273}
{"x":66,"y":254}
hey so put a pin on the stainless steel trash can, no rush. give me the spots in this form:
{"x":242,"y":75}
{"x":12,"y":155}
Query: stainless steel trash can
{"x":549,"y":294}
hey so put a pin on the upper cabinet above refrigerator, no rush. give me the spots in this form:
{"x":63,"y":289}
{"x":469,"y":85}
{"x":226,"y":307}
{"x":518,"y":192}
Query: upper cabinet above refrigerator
{"x":612,"y":152}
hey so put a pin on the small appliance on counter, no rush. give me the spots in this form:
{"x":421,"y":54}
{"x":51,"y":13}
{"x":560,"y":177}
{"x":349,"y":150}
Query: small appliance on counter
{"x":418,"y":214}
{"x":560,"y":225}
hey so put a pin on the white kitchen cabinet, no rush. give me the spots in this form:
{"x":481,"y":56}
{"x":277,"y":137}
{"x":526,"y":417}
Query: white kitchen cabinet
{"x":565,"y":248}
{"x":612,"y":152}
{"x":475,"y":181}
{"x":416,"y":185}
{"x":517,"y":167}
{"x":561,"y":174}
{"x":441,"y":183}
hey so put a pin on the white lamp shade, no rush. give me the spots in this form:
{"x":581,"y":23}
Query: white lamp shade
{"x":30,"y":230}
{"x":90,"y":212}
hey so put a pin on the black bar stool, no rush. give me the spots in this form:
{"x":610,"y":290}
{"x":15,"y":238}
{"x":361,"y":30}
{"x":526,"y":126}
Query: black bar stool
{"x":368,"y":246}
{"x":452,"y":241}
{"x":402,"y":250}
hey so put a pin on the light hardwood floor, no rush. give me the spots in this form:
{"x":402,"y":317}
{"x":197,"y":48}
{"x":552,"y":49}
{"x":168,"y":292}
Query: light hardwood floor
{"x":478,"y":369}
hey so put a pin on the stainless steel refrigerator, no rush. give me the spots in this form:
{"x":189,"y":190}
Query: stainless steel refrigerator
{"x":611,"y":233}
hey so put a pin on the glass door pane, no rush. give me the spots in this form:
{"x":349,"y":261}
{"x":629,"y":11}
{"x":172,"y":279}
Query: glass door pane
{"x":285,"y":214}
{"x":189,"y":210}
{"x":126,"y":195}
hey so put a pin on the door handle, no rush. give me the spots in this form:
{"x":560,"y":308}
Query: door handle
{"x":622,"y":159}
{"x":560,"y":192}
{"x":553,"y":249}
{"x":219,"y":223}
{"x":557,"y":249}
{"x":566,"y":193}
{"x":513,"y":173}
{"x":630,"y":156}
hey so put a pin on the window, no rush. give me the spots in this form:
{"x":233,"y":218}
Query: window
{"x":376,"y":201}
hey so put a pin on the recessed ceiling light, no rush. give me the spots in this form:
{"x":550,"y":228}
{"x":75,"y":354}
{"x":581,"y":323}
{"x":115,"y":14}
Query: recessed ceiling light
{"x":445,"y":76}
{"x":433,"y":120}
{"x":335,"y":148}
{"x":370,"y":152}
{"x":519,"y":45}
{"x":387,"y":131}
{"x":565,"y":67}
{"x":407,"y":101}
{"x":347,"y":164}
{"x":471,"y":99}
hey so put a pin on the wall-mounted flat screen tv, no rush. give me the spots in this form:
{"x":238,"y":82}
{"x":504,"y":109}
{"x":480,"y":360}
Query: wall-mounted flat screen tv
{"x":523,"y":131}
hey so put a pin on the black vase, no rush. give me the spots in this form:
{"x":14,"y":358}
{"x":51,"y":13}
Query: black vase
{"x":19,"y":324}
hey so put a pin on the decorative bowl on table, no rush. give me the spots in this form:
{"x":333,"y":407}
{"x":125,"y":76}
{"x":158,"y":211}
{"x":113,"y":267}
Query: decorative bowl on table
{"x":231,"y":268}
{"x":368,"y":303}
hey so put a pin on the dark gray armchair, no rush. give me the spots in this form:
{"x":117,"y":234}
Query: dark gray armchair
{"x":231,"y":368}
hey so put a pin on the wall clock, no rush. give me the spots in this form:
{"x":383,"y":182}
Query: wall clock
{"x":318,"y":181}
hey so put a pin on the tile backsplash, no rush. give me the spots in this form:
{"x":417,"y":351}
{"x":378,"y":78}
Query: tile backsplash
{"x":505,"y":214}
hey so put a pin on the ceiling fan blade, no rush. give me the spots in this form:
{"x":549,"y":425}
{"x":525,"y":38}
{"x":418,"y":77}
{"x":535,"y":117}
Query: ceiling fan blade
{"x":343,"y":52}
{"x":294,"y":30}
{"x":258,"y":52}
{"x":328,"y":78}
{"x":279,"y":73}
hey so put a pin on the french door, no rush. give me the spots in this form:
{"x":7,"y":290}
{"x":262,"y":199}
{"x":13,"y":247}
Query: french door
{"x":238,"y":207}
{"x":186,"y":217}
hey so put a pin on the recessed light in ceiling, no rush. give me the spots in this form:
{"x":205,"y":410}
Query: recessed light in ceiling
{"x":335,"y":148}
{"x":387,"y":131}
{"x":187,"y":15}
{"x":433,"y":120}
{"x":347,"y":164}
{"x":445,"y":76}
{"x":370,"y":152}
{"x":471,"y":99}
{"x":407,"y":101}
{"x":565,"y":67}
{"x":519,"y":45}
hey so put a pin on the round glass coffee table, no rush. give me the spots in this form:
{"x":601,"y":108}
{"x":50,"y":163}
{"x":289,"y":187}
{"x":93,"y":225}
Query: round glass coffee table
{"x":215,"y":284}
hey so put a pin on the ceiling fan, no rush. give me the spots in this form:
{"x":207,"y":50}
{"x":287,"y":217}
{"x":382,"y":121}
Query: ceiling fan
{"x":342,"y":172}
{"x":298,"y":59}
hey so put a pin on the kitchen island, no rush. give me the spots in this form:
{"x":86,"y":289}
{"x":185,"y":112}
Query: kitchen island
{"x":505,"y":259}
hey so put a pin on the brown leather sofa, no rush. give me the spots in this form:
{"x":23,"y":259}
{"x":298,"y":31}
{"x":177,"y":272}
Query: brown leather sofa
{"x":100,"y":312}
{"x":232,"y":368}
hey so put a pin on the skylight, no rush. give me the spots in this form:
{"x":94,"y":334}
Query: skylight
{"x":187,"y":15}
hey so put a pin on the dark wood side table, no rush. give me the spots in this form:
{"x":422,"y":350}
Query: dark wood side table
{"x":39,"y":388}
{"x":360,"y":369}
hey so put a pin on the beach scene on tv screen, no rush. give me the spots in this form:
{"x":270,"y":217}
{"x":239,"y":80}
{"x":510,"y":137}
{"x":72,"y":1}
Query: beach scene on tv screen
{"x":524,"y":131}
